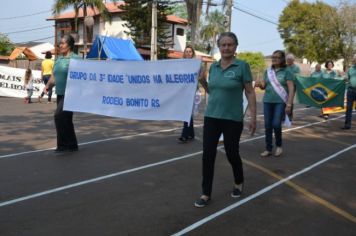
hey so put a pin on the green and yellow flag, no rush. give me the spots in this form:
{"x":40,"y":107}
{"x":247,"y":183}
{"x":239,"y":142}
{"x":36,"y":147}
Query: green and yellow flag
{"x":318,"y":92}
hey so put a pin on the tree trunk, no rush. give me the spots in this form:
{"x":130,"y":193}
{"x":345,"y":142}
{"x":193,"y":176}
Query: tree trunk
{"x":194,"y":8}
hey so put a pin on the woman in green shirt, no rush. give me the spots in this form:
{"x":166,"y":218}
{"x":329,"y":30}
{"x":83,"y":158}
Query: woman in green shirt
{"x":228,"y":78}
{"x":66,"y":138}
{"x":275,"y":105}
{"x":329,"y":73}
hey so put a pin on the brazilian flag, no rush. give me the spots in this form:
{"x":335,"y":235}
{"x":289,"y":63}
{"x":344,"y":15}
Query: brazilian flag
{"x":318,"y":92}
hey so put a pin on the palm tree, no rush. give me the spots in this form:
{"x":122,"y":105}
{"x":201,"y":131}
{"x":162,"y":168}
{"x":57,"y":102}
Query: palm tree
{"x":214,"y":27}
{"x":61,"y":5}
{"x":194,"y":8}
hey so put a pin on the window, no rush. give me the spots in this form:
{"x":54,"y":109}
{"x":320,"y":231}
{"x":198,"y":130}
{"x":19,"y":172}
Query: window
{"x":180,"y":32}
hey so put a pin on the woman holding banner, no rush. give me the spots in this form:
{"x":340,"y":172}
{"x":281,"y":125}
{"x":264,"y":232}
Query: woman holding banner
{"x":277,"y":101}
{"x":228,"y":78}
{"x":66,"y":138}
{"x":188,"y":129}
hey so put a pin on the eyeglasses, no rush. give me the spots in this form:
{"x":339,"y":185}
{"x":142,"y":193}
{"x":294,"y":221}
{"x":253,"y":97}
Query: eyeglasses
{"x":276,"y":57}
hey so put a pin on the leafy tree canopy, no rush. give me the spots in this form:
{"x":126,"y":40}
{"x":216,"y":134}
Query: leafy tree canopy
{"x":256,"y":61}
{"x":138,"y":15}
{"x":310,"y":30}
{"x":6,"y":47}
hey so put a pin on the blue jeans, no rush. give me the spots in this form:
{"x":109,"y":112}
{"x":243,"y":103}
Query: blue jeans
{"x":50,"y":91}
{"x":351,"y":97}
{"x":273,"y":115}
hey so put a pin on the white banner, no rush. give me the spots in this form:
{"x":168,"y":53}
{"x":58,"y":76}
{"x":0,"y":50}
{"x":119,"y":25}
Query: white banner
{"x":12,"y":81}
{"x":143,"y":90}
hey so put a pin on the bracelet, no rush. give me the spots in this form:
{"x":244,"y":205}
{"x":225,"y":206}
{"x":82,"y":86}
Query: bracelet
{"x":289,"y":105}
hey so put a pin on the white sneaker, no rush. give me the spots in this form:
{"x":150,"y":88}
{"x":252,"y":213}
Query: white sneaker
{"x":278,"y":152}
{"x":266,"y":154}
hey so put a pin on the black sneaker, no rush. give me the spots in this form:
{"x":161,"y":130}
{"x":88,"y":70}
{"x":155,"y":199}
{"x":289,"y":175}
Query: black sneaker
{"x":183,"y":139}
{"x":346,"y":127}
{"x":236,"y":192}
{"x":201,"y":202}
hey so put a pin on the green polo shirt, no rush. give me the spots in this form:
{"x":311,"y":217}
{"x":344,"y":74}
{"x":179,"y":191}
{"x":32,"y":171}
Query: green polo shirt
{"x":351,"y":75}
{"x":330,"y":75}
{"x":283,"y":75}
{"x":226,"y":90}
{"x":294,"y":69}
{"x":317,"y":74}
{"x":60,"y":72}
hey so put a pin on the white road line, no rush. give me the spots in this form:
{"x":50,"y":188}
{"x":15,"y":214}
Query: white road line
{"x":259,"y":193}
{"x":95,"y":141}
{"x":28,"y":197}
{"x":109,"y":139}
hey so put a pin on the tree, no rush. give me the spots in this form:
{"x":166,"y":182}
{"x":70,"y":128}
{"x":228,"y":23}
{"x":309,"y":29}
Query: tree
{"x":213,"y":27}
{"x":310,"y":30}
{"x":347,"y":30}
{"x":6,"y":47}
{"x":61,"y":5}
{"x":138,"y":17}
{"x":256,"y":61}
{"x":179,"y":10}
{"x":194,"y":8}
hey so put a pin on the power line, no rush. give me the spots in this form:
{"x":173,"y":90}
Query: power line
{"x":33,"y":40}
{"x":256,"y":11}
{"x":21,"y":31}
{"x":254,"y":15}
{"x":22,"y":16}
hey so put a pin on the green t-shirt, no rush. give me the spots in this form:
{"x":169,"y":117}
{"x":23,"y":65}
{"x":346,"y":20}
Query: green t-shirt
{"x":60,"y":72}
{"x":283,"y":74}
{"x":294,"y":69}
{"x":226,"y":90}
{"x":330,"y":75}
{"x":351,"y":75}
{"x":317,"y":74}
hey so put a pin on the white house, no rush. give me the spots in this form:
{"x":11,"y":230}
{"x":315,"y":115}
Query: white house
{"x":64,"y":23}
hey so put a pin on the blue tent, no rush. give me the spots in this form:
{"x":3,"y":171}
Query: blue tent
{"x":114,"y":49}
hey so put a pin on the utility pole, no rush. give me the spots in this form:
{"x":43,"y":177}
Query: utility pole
{"x":154,"y":31}
{"x":228,"y":14}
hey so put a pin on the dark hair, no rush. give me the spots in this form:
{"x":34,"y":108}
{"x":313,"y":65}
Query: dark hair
{"x":188,"y":46}
{"x":327,"y":62}
{"x":282,"y":62}
{"x":69,"y":40}
{"x":48,"y":55}
{"x":230,"y":35}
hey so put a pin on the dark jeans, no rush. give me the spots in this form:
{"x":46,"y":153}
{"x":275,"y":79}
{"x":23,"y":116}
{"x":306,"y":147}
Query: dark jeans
{"x":351,"y":98}
{"x":213,"y":128}
{"x":45,"y":80}
{"x":64,"y":126}
{"x":273,"y":115}
{"x":188,"y":130}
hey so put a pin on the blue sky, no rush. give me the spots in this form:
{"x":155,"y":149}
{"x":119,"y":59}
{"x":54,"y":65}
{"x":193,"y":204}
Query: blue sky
{"x":254,"y":34}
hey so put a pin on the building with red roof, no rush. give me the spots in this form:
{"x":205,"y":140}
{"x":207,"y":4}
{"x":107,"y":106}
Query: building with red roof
{"x":64,"y":23}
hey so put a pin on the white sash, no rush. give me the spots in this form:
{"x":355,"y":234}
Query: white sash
{"x":278,"y":88}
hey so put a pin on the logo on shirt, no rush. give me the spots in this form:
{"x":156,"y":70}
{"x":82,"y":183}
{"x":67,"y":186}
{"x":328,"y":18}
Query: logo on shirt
{"x":230,"y":74}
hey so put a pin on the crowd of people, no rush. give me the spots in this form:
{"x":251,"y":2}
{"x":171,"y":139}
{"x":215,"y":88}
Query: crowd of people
{"x":227,"y":80}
